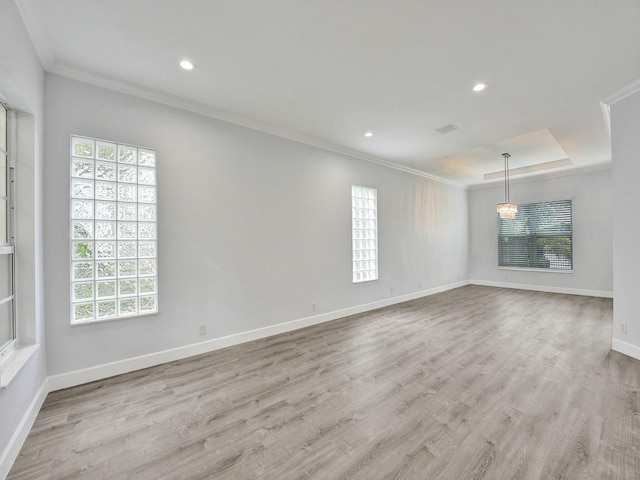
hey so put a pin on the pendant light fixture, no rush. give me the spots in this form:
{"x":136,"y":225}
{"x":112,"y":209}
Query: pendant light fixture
{"x":506,"y":209}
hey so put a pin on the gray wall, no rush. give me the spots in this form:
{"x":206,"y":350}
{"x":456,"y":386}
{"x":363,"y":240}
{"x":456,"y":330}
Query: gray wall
{"x":21,"y":85}
{"x":625,"y":123}
{"x":592,"y":254}
{"x":253,"y":229}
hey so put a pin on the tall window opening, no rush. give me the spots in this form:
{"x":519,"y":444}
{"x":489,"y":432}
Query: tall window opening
{"x":7,"y":304}
{"x":113,"y":230}
{"x":541,"y":237}
{"x":364,"y":233}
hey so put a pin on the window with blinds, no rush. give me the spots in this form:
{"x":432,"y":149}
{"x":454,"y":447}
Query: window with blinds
{"x":539,"y":237}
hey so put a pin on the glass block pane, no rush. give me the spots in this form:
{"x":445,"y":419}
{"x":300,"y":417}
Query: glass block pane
{"x":106,"y":230}
{"x":82,"y":291}
{"x":105,"y":210}
{"x":107,"y":309}
{"x":147,"y":158}
{"x":126,"y":249}
{"x":147,"y":176}
{"x":81,"y":208}
{"x":147,"y":213}
{"x":147,"y":194}
{"x":128,"y":287}
{"x":82,"y":312}
{"x":147,"y":231}
{"x":82,"y":147}
{"x":106,"y":269}
{"x":148,"y":304}
{"x":147,"y":249}
{"x":105,"y":190}
{"x":127,"y":154}
{"x":127,"y":193}
{"x":147,"y":267}
{"x":127,"y":174}
{"x":106,"y":289}
{"x":82,"y":250}
{"x":148,"y":285}
{"x":128,"y":306}
{"x":82,"y":271}
{"x":105,"y":249}
{"x":127,"y":268}
{"x":106,"y":151}
{"x":127,"y":231}
{"x":6,"y":275}
{"x":106,"y":172}
{"x":81,"y":188}
{"x":81,"y":168}
{"x":81,"y":229}
{"x":127,"y":211}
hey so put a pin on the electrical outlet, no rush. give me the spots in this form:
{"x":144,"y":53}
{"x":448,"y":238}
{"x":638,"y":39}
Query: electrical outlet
{"x":203,"y":328}
{"x":623,"y":328}
{"x":313,"y":307}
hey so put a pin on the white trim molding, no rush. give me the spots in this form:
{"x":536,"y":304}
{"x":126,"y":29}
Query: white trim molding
{"x":18,"y":438}
{"x":625,"y":348}
{"x":545,"y":288}
{"x":78,"y":377}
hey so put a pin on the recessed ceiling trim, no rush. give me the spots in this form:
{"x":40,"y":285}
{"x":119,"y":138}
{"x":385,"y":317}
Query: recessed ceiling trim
{"x":561,"y":173}
{"x":530,"y":168}
{"x":129,"y":88}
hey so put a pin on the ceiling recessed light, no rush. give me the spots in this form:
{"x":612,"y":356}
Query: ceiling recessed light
{"x":186,"y":64}
{"x":368,"y":134}
{"x":478,"y":87}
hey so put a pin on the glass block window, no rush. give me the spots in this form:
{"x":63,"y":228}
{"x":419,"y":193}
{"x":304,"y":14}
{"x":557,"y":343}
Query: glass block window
{"x":364,"y":233}
{"x":114,"y":249}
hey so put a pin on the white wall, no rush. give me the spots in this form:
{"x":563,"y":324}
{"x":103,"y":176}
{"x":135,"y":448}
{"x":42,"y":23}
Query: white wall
{"x":21,"y":85}
{"x":625,"y":125}
{"x":592,"y":248}
{"x":253,"y":229}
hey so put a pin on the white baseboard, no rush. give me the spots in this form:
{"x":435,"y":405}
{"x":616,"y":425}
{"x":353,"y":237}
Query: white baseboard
{"x":545,"y":288}
{"x":20,"y":435}
{"x":78,"y":377}
{"x":628,"y":349}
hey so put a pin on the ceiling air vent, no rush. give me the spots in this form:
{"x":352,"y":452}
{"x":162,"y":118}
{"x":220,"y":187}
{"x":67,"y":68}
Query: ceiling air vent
{"x":446,"y":128}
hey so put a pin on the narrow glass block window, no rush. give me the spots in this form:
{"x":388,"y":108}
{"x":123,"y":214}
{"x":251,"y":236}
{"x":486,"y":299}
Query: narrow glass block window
{"x":114,"y":249}
{"x":364,"y":233}
{"x":540,"y":237}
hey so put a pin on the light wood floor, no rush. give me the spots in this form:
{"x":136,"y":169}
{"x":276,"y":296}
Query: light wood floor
{"x":473,"y":383}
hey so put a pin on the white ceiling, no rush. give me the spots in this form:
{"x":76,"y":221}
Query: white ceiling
{"x":327,"y":71}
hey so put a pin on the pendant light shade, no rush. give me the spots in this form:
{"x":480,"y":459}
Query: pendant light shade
{"x":507,"y":210}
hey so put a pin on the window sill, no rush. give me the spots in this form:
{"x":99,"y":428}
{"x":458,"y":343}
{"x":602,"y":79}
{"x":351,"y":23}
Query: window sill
{"x":544,"y":270}
{"x":10,"y":366}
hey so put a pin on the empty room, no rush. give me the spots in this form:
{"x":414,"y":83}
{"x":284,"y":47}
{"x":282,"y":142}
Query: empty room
{"x":280,"y":239}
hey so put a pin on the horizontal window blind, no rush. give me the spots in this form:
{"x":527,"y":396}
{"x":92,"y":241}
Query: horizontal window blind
{"x":541,"y":236}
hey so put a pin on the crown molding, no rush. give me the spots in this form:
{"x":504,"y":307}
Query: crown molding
{"x":35,"y":29}
{"x":624,"y":92}
{"x":135,"y":90}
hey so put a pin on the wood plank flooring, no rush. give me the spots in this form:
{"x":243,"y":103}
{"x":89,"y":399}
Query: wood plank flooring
{"x":473,"y":383}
